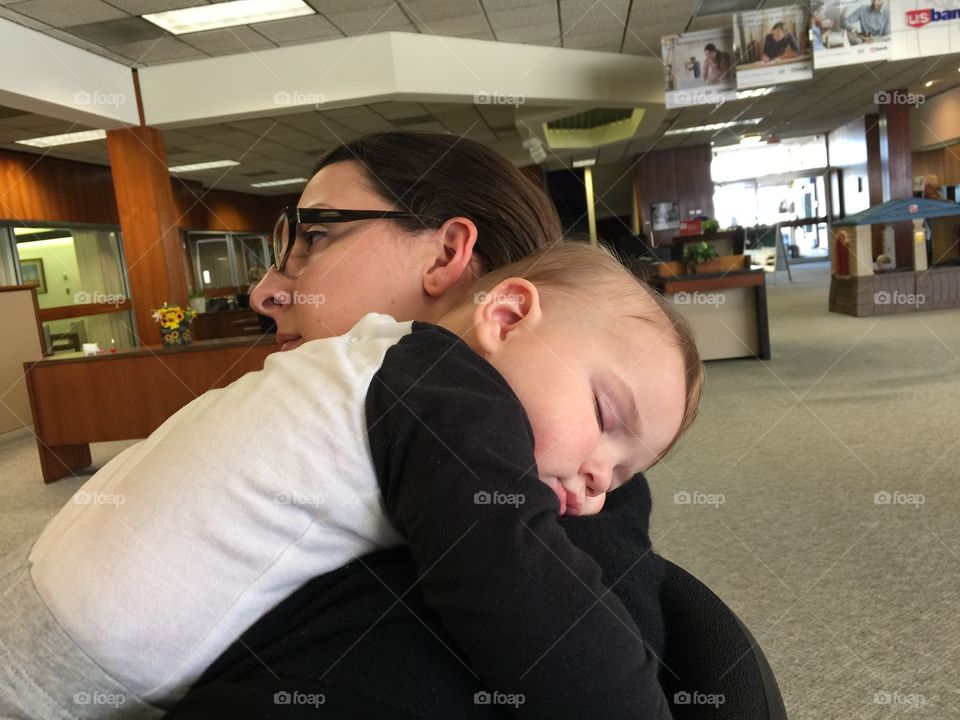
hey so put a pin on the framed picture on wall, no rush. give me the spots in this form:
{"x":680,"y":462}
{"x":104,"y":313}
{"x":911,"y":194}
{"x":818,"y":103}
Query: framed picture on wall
{"x":32,"y":272}
{"x":665,"y":215}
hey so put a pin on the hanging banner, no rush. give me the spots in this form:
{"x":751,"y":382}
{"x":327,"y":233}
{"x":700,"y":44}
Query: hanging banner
{"x":847,"y":32}
{"x":922,"y":28}
{"x":699,"y":68}
{"x":772,"y":46}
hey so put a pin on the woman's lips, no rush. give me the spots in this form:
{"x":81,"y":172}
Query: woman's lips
{"x":287,"y":341}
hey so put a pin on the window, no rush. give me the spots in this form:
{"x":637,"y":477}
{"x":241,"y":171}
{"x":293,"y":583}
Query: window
{"x":223,"y":263}
{"x":76,"y":269}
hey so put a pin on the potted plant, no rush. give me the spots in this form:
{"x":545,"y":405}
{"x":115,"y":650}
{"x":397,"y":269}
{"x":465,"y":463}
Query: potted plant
{"x":198,"y":301}
{"x":695,"y":255}
{"x":175,"y":324}
{"x":708,"y":227}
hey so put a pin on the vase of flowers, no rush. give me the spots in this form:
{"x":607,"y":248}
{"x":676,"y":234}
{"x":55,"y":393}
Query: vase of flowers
{"x":175,"y":324}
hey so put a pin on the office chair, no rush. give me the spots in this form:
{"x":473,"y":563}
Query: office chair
{"x":723,"y":673}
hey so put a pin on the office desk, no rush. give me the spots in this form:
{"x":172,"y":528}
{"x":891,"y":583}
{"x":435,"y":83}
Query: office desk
{"x":77,"y":400}
{"x":728,"y":311}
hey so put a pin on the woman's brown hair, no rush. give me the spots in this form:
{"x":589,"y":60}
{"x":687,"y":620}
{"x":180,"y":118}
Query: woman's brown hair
{"x":437,"y":177}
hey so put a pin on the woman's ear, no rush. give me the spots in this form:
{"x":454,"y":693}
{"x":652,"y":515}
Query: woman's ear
{"x":451,"y":256}
{"x":512,"y":305}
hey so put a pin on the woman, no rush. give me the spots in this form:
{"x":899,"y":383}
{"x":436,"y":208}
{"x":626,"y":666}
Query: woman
{"x":359,"y":641}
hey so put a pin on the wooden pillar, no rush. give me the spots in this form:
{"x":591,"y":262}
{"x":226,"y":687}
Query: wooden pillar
{"x":148,"y":222}
{"x":896,"y":157}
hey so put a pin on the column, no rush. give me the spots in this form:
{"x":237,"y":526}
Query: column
{"x":148,"y":223}
{"x":897,"y":165}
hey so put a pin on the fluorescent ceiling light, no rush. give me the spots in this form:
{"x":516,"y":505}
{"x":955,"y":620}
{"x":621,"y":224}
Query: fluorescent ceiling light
{"x":751,"y":139}
{"x":227,"y":14}
{"x":586,"y":162}
{"x":204,"y":166}
{"x":712,"y":127}
{"x":274,"y":183}
{"x":754,"y":93}
{"x":65,"y":139}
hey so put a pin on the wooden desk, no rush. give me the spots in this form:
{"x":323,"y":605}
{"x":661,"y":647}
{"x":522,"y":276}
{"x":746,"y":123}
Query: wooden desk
{"x":728,"y":311}
{"x":226,"y":324}
{"x":77,"y":400}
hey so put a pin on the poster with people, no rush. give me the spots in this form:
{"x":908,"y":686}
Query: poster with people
{"x":846,"y":32}
{"x":772,"y":46}
{"x":699,"y":68}
{"x":922,"y":28}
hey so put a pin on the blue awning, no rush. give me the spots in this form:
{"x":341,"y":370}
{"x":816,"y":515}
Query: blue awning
{"x":902,"y":210}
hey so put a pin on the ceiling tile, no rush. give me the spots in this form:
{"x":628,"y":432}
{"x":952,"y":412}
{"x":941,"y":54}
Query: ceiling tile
{"x":371,"y":20}
{"x":142,"y":7}
{"x":64,"y":14}
{"x":24,"y":20}
{"x":455,"y":27}
{"x":115,"y":32}
{"x":429,"y":11}
{"x":542,"y":14}
{"x":298,"y":30}
{"x":227,"y":41}
{"x":165,"y":49}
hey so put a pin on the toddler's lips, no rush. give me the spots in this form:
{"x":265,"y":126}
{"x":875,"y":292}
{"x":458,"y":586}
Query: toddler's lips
{"x":561,"y":496}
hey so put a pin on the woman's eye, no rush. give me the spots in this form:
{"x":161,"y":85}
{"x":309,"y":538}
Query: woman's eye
{"x":309,"y":237}
{"x":596,"y":405}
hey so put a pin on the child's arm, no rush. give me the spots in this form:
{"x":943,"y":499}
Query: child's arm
{"x":454,"y":455}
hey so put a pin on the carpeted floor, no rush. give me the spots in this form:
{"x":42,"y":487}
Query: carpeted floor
{"x":856,"y":603}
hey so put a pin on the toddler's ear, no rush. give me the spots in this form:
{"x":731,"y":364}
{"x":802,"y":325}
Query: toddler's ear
{"x":513,"y":304}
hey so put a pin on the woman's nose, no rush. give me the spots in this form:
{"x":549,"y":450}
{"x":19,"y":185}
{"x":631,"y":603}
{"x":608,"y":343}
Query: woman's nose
{"x":268,"y":296}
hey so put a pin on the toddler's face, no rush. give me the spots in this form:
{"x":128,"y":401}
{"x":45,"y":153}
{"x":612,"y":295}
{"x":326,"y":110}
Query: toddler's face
{"x":604,"y":393}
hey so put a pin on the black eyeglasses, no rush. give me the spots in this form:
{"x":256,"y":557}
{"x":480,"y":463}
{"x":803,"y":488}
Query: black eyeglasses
{"x":286,"y":231}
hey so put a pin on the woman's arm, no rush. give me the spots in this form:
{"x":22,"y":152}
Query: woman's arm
{"x":454,"y":456}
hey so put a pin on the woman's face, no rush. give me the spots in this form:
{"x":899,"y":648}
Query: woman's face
{"x":360,"y":267}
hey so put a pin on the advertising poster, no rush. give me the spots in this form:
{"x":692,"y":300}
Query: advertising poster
{"x":772,"y":46}
{"x":847,"y":32}
{"x":699,"y":68}
{"x":922,"y":28}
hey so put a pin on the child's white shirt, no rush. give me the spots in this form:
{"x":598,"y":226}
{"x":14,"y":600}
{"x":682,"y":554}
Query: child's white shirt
{"x":184,"y":540}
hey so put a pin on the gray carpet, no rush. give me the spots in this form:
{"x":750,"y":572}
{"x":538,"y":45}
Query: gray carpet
{"x":856,"y":604}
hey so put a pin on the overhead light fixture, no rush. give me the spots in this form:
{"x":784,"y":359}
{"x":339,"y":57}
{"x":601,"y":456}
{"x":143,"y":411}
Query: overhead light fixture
{"x":65,"y":139}
{"x":585,"y":162}
{"x":203,"y":166}
{"x":227,"y":14}
{"x":928,"y":83}
{"x":713,"y":127}
{"x":274,"y":183}
{"x":751,"y":139}
{"x":753,"y":93}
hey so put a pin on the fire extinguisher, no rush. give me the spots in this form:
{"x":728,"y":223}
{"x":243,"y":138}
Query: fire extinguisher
{"x":843,"y":255}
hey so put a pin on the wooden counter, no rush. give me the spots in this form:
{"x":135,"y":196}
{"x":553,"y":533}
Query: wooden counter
{"x":728,"y":311}
{"x":76,"y":400}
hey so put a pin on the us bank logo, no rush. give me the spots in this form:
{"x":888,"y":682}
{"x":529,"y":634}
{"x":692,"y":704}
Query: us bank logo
{"x":919,"y":18}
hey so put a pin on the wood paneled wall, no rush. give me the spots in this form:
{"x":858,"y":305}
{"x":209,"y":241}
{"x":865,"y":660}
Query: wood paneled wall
{"x":942,"y":162}
{"x":34,"y":187}
{"x":37,"y":188}
{"x":680,"y":174}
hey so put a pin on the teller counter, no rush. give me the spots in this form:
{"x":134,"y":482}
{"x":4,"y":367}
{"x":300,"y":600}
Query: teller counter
{"x":77,"y":400}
